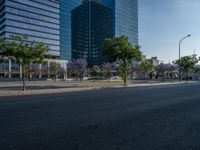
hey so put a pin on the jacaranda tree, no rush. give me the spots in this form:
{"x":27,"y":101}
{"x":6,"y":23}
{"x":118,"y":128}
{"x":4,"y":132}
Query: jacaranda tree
{"x":34,"y":69}
{"x":165,"y":69}
{"x":77,"y":68}
{"x":107,"y":69}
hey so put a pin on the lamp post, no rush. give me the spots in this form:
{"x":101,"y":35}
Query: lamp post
{"x":180,"y":54}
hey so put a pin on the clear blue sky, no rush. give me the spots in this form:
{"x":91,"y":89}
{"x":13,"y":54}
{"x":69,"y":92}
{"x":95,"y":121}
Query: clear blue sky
{"x":163,"y":22}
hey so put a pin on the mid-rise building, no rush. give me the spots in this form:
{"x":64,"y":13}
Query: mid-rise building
{"x":154,"y":61}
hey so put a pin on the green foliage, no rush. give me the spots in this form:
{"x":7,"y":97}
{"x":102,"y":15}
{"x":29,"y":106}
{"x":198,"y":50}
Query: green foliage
{"x":187,"y":64}
{"x":146,"y":67}
{"x":54,"y":69}
{"x":119,"y":49}
{"x":23,"y":52}
{"x":124,"y":68}
{"x":95,"y":71}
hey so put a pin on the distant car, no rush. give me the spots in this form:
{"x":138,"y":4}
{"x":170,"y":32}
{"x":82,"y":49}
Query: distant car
{"x":70,"y":79}
{"x":85,"y":78}
{"x":115,"y":78}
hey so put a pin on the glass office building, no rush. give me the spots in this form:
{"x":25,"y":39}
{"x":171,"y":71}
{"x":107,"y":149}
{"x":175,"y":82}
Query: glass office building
{"x":125,"y":18}
{"x":38,"y":19}
{"x":66,"y":7}
{"x":89,"y":22}
{"x":71,"y":28}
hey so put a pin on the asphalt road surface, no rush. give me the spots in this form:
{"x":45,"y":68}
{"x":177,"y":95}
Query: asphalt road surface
{"x":146,"y":118}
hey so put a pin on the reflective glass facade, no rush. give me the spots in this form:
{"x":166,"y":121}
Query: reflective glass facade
{"x":89,"y":22}
{"x":125,"y":18}
{"x":38,"y":19}
{"x":66,"y":7}
{"x":71,"y":28}
{"x":92,"y":22}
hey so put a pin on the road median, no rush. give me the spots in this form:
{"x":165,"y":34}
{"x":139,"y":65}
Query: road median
{"x":14,"y":89}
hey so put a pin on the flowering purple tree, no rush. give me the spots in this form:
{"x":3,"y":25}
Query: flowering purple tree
{"x":163,"y":69}
{"x":37,"y":70}
{"x":61,"y":71}
{"x":107,"y":69}
{"x":44,"y":69}
{"x":77,"y":68}
{"x":34,"y":69}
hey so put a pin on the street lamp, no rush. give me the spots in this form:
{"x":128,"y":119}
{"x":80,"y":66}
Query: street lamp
{"x":180,"y":54}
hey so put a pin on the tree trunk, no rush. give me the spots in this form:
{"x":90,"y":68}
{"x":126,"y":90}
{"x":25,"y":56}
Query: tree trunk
{"x":24,"y":78}
{"x":125,"y":81}
{"x":187,"y":74}
{"x":125,"y":73}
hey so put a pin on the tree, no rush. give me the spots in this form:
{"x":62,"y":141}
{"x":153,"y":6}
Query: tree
{"x":23,"y":52}
{"x":54,"y":69}
{"x":95,"y":71}
{"x":34,"y":69}
{"x":107,"y":69}
{"x":163,"y":69}
{"x":77,"y":68}
{"x":119,"y":49}
{"x":62,"y":71}
{"x":197,"y":71}
{"x":146,"y":67}
{"x":170,"y":70}
{"x":187,"y":64}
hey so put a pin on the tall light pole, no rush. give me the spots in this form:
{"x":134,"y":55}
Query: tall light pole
{"x":179,"y":69}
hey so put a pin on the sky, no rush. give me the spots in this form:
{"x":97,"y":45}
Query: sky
{"x":162,"y":23}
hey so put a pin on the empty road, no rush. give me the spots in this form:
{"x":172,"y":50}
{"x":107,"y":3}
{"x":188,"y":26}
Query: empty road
{"x":143,"y":118}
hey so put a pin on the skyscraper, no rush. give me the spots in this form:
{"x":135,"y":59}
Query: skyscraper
{"x":71,"y":28}
{"x":66,"y":7}
{"x":125,"y":18}
{"x":39,"y":20}
{"x":94,"y":20}
{"x":91,"y":24}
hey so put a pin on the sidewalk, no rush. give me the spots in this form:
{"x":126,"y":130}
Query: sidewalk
{"x":42,"y":87}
